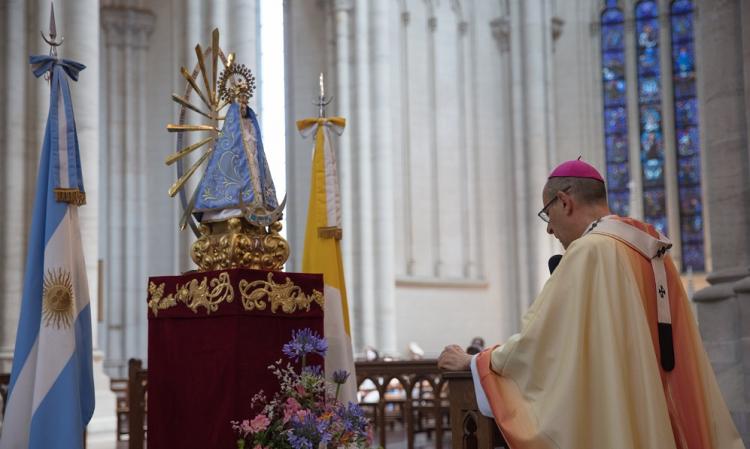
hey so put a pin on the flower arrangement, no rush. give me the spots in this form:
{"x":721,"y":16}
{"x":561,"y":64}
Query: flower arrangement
{"x":306,"y":412}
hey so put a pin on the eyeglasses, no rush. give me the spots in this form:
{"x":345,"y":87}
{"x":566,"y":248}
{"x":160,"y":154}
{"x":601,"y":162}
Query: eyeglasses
{"x":543,"y":213}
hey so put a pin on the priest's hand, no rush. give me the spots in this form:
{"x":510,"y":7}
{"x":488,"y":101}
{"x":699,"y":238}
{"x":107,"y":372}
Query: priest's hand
{"x":454,"y":358}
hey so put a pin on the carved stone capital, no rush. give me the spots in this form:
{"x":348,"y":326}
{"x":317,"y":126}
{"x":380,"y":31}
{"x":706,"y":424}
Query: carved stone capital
{"x":432,"y":24}
{"x":463,"y":26}
{"x":556,"y":23}
{"x":500,"y":27}
{"x":405,"y":18}
{"x":342,"y":5}
{"x":127,"y":26}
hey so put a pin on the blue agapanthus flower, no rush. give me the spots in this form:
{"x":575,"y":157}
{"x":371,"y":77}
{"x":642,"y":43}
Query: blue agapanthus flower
{"x":298,"y":442}
{"x":309,"y":430}
{"x":313,"y":370}
{"x":353,"y":417}
{"x":340,"y":376}
{"x":305,"y":342}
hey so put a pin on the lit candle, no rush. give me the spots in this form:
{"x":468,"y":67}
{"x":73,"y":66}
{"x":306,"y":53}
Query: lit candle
{"x":322,"y":89}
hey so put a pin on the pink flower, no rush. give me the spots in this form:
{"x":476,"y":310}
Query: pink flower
{"x":300,"y":389}
{"x":291,"y":407}
{"x":258,"y":446}
{"x":259,"y":423}
{"x":292,"y":404}
{"x":244,"y":427}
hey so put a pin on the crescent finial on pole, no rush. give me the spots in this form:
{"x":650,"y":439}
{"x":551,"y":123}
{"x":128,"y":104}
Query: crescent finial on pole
{"x":52,"y":40}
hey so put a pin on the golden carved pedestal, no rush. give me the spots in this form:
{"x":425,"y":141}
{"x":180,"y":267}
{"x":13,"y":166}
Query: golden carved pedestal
{"x":235,"y":243}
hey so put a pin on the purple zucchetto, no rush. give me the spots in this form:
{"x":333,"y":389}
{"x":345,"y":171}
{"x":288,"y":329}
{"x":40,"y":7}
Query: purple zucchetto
{"x":575,"y":169}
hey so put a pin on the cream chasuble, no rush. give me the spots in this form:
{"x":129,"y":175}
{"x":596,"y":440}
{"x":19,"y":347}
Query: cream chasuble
{"x":587,"y":371}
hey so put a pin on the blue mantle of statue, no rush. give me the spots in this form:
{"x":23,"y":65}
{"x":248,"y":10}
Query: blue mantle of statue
{"x":237,"y":176}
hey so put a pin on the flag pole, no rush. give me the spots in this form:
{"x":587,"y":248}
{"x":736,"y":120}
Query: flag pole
{"x":52,"y":40}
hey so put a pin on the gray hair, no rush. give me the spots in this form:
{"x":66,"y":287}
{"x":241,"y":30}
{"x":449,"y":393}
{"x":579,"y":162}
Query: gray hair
{"x":588,"y":191}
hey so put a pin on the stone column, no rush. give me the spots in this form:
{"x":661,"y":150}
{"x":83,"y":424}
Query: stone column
{"x":364,"y":280}
{"x":724,"y":126}
{"x":342,"y":106}
{"x":18,"y":189}
{"x":536,"y":149}
{"x":466,"y":90}
{"x":432,"y":141}
{"x":529,"y":108}
{"x":240,"y":35}
{"x":218,"y":17}
{"x":382,"y":164}
{"x":79,"y":24}
{"x":721,"y":307}
{"x":304,"y":53}
{"x":506,"y":97}
{"x":194,"y":33}
{"x":126,"y":31}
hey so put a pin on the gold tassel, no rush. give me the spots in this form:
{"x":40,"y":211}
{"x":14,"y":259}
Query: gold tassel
{"x":72,"y":196}
{"x":330,"y":232}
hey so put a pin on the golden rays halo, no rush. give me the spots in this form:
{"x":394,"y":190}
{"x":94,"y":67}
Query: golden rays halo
{"x":58,"y":300}
{"x":190,"y":154}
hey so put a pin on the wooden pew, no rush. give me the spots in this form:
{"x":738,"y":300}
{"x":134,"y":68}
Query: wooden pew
{"x":137,"y":403}
{"x":469,"y":428}
{"x":120,"y":388}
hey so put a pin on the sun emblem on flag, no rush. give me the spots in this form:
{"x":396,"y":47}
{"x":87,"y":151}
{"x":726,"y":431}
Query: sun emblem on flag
{"x":58,"y":299}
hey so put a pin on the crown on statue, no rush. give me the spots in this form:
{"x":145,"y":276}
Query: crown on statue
{"x":236,"y":84}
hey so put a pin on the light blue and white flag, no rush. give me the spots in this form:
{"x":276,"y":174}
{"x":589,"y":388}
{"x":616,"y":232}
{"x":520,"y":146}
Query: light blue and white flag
{"x":51,"y":396}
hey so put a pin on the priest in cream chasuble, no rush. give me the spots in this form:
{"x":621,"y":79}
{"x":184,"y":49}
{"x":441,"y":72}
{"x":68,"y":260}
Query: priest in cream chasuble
{"x":609,"y":355}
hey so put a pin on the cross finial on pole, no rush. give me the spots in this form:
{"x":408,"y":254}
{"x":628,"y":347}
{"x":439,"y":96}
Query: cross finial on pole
{"x":322,"y":100}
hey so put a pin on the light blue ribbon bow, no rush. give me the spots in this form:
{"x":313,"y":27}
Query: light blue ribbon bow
{"x":42,"y":64}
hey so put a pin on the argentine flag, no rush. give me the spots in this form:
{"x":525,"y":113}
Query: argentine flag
{"x":51,"y":395}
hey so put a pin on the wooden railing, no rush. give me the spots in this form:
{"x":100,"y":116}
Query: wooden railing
{"x":120,"y":388}
{"x":413,"y":394}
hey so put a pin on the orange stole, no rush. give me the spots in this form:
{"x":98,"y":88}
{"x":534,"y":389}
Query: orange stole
{"x":683,"y":386}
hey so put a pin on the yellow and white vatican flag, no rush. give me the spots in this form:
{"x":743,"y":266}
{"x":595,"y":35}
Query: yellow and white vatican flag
{"x":322,"y":252}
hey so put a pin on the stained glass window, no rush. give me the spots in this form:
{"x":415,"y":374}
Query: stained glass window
{"x":686,"y":135}
{"x":650,"y":117}
{"x":653,"y":78}
{"x":615,"y":108}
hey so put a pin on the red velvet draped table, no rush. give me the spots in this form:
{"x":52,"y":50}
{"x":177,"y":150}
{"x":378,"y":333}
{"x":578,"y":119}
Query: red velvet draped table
{"x":211,"y":338}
